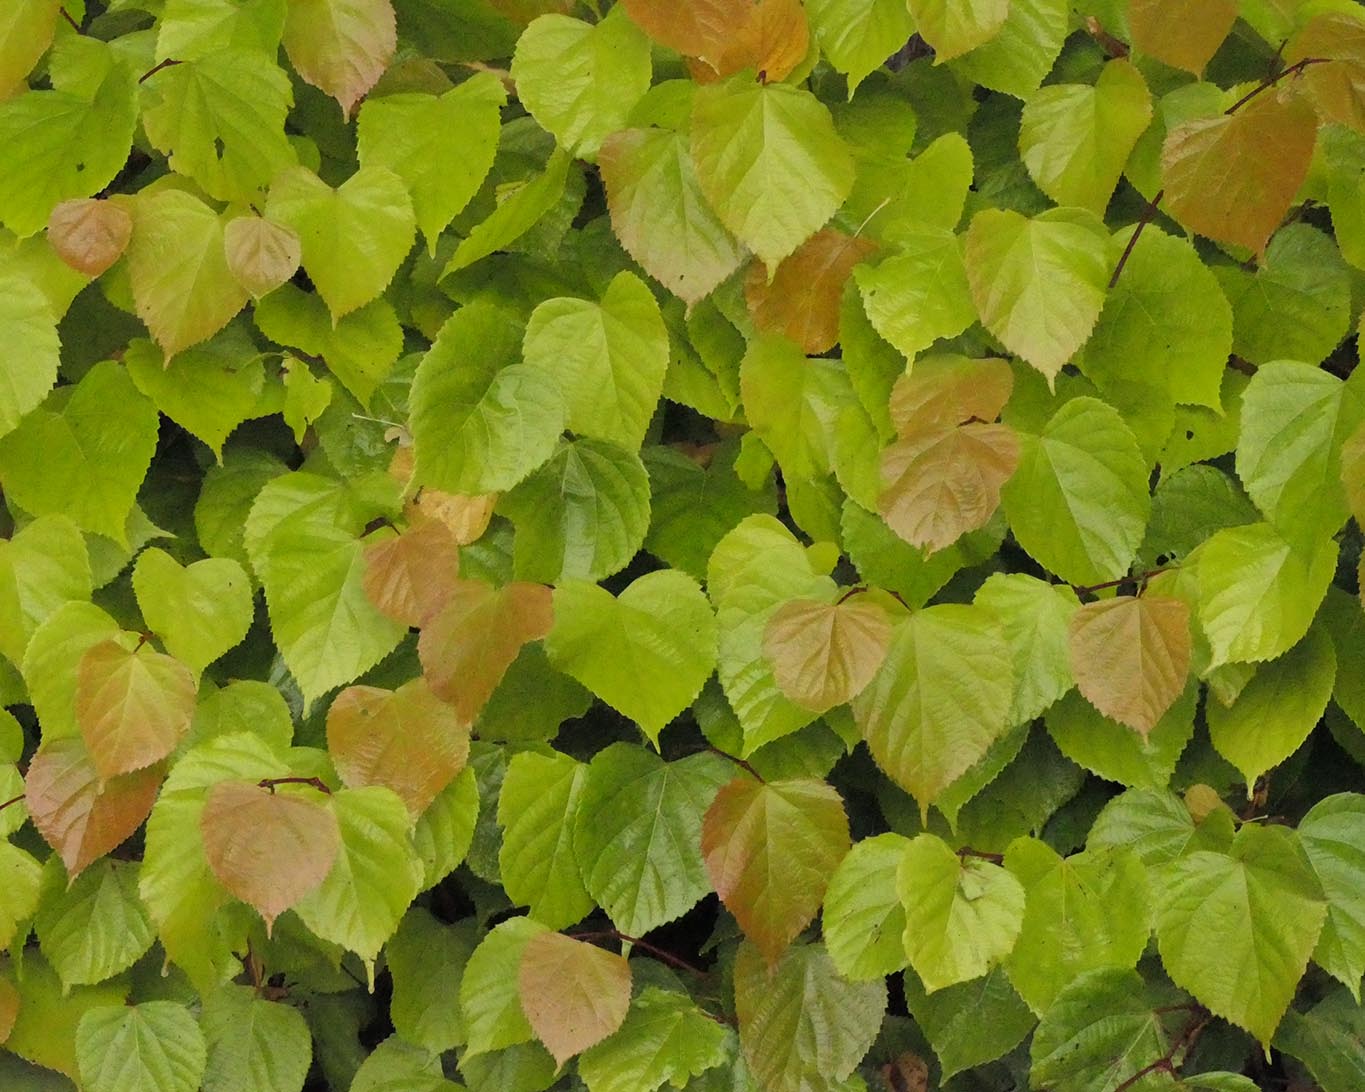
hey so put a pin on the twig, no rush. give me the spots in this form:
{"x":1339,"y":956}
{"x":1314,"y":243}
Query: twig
{"x":741,"y":763}
{"x":1183,"y":1044}
{"x":1106,"y":41}
{"x":653,"y":949}
{"x":981,"y":854}
{"x":1140,"y":580}
{"x":11,"y":800}
{"x":1148,"y":214}
{"x":271,"y":782}
{"x":67,"y":16}
{"x":167,"y":63}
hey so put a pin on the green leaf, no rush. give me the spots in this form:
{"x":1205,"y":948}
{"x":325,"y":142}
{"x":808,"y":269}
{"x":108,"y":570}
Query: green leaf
{"x":25,"y":34}
{"x":1034,"y":617}
{"x":404,"y":133}
{"x":863,"y":920}
{"x":582,"y":515}
{"x":637,"y":833}
{"x":955,"y":29}
{"x":1327,"y":1040}
{"x":1155,"y":824}
{"x":1078,"y":502}
{"x":253,"y":1043}
{"x":1018,"y":58}
{"x":1115,"y":751}
{"x":96,"y":926}
{"x":1038,"y":283}
{"x":770,"y":163}
{"x":22,"y":880}
{"x":29,"y":331}
{"x":1331,"y":836}
{"x":83,"y":456}
{"x":52,"y":660}
{"x":666,"y":1038}
{"x":445,"y":831}
{"x":1236,"y":928}
{"x":155,"y":1046}
{"x":490,"y":1000}
{"x":971,"y":1023}
{"x":792,"y":402}
{"x":919,"y":293}
{"x":225,"y":499}
{"x":45,"y":1030}
{"x":43,"y":566}
{"x":306,"y":397}
{"x":609,"y":359}
{"x":340,"y":46}
{"x":192,"y":28}
{"x":962,"y":914}
{"x":425,"y":957}
{"x":856,"y":36}
{"x":519,"y":211}
{"x":199,"y":611}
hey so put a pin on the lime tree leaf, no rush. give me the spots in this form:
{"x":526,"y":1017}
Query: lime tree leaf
{"x":261,"y":254}
{"x":182,"y":285}
{"x":802,"y":300}
{"x":919,"y":293}
{"x":537,"y":809}
{"x":133,"y":706}
{"x":792,"y":402}
{"x":1153,"y":822}
{"x":1331,"y":836}
{"x":490,"y":999}
{"x":825,"y":654}
{"x":1035,"y":618}
{"x":253,"y":1043}
{"x":405,"y":134}
{"x":770,"y":850}
{"x":1018,"y":58}
{"x":268,"y":848}
{"x":412,"y":575}
{"x":301,"y":538}
{"x":482,"y":421}
{"x":660,"y":215}
{"x":954,"y":29}
{"x":42,"y":566}
{"x":943,"y":390}
{"x":23,"y":881}
{"x":155,"y":1046}
{"x":191,"y":28}
{"x":424,"y":957}
{"x":340,"y":46}
{"x":1038,"y":284}
{"x":353,"y":237}
{"x":407,"y":740}
{"x":29,"y":331}
{"x":665,"y":1038}
{"x":86,"y":460}
{"x":220,"y":120}
{"x":1258,"y":593}
{"x":856,"y":37}
{"x":971,"y":1023}
{"x":770,"y":162}
{"x":1217,"y":179}
{"x":305,"y":397}
{"x":516,"y":214}
{"x":52,"y":661}
{"x":1326,"y":1039}
{"x":199,"y":611}
{"x":1236,"y":928}
{"x":609,"y":359}
{"x":637,"y":833}
{"x":701,"y":29}
{"x":25,"y":34}
{"x":1178,"y":36}
{"x":940,"y":699}
{"x":444,"y":833}
{"x":97,"y":926}
{"x":580,"y":81}
{"x":583,"y":515}
{"x":1114,"y":750}
{"x":800,"y":1022}
{"x":1082,"y":912}
{"x":469,"y":644}
{"x":573,"y":993}
{"x":770,"y":36}
{"x":1337,"y":88}
{"x":863,"y":920}
{"x":962,"y":914}
{"x":1075,"y":139}
{"x":645,"y":653}
{"x":1078,"y":502}
{"x":1277,"y":709}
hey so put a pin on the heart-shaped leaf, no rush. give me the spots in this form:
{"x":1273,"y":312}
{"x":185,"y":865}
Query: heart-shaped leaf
{"x":574,"y":994}
{"x":824,"y":654}
{"x":133,"y":706}
{"x":199,"y":611}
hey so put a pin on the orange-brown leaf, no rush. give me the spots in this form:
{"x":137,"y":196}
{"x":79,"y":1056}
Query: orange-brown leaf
{"x":773,"y":41}
{"x":1179,"y":33}
{"x":941,"y":483}
{"x":1131,"y":656}
{"x":1337,"y":87}
{"x":410,"y":576}
{"x":341,"y":46}
{"x":574,"y":994}
{"x":1221,"y":181}
{"x":89,"y":234}
{"x":133,"y":706}
{"x":802,"y":300}
{"x":467,"y":647}
{"x":699,"y":28}
{"x":79,"y":814}
{"x":261,"y":254}
{"x":824,"y":654}
{"x":269,"y":849}
{"x":943,"y":391}
{"x":466,"y":515}
{"x":408,"y":740}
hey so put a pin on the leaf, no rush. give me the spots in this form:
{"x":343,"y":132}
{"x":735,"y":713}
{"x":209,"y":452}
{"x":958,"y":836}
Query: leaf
{"x":253,"y":1043}
{"x":155,"y":1046}
{"x":574,"y":994}
{"x":1327,"y":1040}
{"x":971,"y":1023}
{"x":490,"y":997}
{"x":863,"y":920}
{"x":825,"y":654}
{"x":1330,"y":835}
{"x":793,"y":402}
{"x":660,"y":215}
{"x":1338,"y":86}
{"x":407,"y":740}
{"x":955,"y":29}
{"x":939,"y":700}
{"x":608,"y":359}
{"x":1236,"y":929}
{"x":774,"y":39}
{"x":770,"y":163}
{"x":96,"y":927}
{"x":24,"y":37}
{"x":404,"y":133}
{"x":697,"y":30}
{"x":424,"y":957}
{"x":637,"y":833}
{"x":1018,"y":58}
{"x":537,"y":808}
{"x":801,"y":302}
{"x":261,"y":254}
{"x":89,"y":234}
{"x":468,"y":645}
{"x":1179,"y":36}
{"x":920,"y":293}
{"x":856,"y":37}
{"x":962,"y":914}
{"x":340,"y":46}
{"x":645,"y":653}
{"x":1113,"y":750}
{"x":267,"y":848}
{"x":190,"y":28}
{"x":79,"y":814}
{"x":1035,"y":618}
{"x":133,"y":706}
{"x":665,"y":1038}
{"x":1216,"y":179}
{"x":305,"y":398}
{"x":22,"y":877}
{"x":1038,"y":283}
{"x":199,"y":611}
{"x":30,"y":332}
{"x":770,"y":850}
{"x":354,"y":237}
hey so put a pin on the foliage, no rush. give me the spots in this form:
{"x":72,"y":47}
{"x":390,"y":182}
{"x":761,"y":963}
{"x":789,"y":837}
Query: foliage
{"x":784,"y":545}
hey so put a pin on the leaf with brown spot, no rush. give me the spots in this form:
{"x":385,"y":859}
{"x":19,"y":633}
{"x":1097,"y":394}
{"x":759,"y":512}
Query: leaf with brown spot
{"x":574,"y":994}
{"x":411,"y":576}
{"x":1131,"y":656}
{"x":1179,"y":33}
{"x":269,"y":849}
{"x":467,"y":647}
{"x":941,"y":483}
{"x":1336,"y":87}
{"x":406,"y":739}
{"x":1219,"y":179}
{"x":261,"y":254}
{"x":802,"y":300}
{"x":944,"y":390}
{"x":133,"y":706}
{"x":79,"y":814}
{"x":824,"y":654}
{"x":1353,"y":474}
{"x":89,"y":234}
{"x":770,"y":850}
{"x":467,"y":515}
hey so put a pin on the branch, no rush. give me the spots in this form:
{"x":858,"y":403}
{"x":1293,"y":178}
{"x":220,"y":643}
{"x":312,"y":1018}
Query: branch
{"x":741,"y":763}
{"x":1199,"y":1020}
{"x":1141,"y":580}
{"x":653,"y":949}
{"x":994,"y":858}
{"x":271,"y":782}
{"x":11,"y":800}
{"x":67,"y":16}
{"x":1148,"y":214}
{"x":167,"y":63}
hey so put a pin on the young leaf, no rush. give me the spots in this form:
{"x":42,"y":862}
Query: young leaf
{"x":1180,"y":36}
{"x":155,"y":1046}
{"x":701,"y":29}
{"x":340,"y":46}
{"x":253,"y":1042}
{"x":665,"y":1038}
{"x":1331,"y":836}
{"x":863,"y":921}
{"x":971,"y":1023}
{"x":97,"y":927}
{"x":90,"y":234}
{"x":856,"y":37}
{"x":825,"y":654}
{"x":1035,"y":618}
{"x":957,"y":28}
{"x":199,"y":611}
{"x":490,"y":997}
{"x":770,"y":850}
{"x":412,"y":575}
{"x":133,"y":707}
{"x":574,"y":994}
{"x":919,"y":293}
{"x":942,"y":391}
{"x":801,"y":301}
{"x":537,"y":808}
{"x":261,"y":254}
